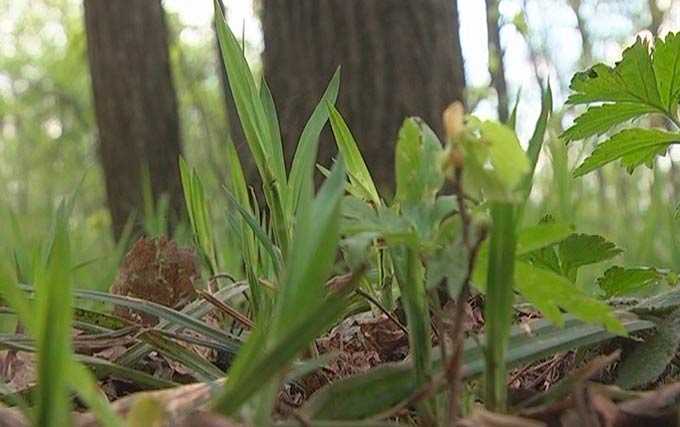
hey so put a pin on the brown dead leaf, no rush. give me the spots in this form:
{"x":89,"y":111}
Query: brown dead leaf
{"x":156,"y":270}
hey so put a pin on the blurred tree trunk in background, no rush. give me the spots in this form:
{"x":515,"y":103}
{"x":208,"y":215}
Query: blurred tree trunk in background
{"x":398,"y":58}
{"x":135,"y":105}
{"x":496,"y":61}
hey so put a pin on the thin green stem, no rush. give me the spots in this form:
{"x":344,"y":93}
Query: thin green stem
{"x":498,"y":309}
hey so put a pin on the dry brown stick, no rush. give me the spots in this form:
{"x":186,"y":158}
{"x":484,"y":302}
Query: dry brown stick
{"x":453,"y":367}
{"x":232,"y":312}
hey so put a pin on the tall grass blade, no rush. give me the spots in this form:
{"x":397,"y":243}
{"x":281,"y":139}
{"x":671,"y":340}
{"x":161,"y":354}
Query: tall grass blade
{"x":307,"y":148}
{"x":303,"y":310}
{"x":359,"y":175}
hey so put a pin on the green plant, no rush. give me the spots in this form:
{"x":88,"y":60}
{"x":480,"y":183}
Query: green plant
{"x":300,"y":261}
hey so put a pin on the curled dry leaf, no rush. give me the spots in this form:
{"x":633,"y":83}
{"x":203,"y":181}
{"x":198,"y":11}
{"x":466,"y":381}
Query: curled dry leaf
{"x":156,"y":270}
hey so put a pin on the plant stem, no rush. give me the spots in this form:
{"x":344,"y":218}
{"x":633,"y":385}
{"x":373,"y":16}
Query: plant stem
{"x":499,"y":300}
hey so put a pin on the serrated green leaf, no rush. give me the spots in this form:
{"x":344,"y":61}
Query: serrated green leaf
{"x":666,"y":63}
{"x":599,"y":119}
{"x":418,"y":155}
{"x":539,"y":236}
{"x":619,"y":281}
{"x":584,"y":249}
{"x":631,"y":80}
{"x":648,"y":361}
{"x":632,"y":145}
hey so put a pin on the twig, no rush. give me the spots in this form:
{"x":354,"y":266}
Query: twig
{"x":235,"y":314}
{"x":385,"y":311}
{"x":453,"y":367}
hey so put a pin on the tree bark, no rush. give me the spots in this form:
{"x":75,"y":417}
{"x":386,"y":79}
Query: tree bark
{"x":399,"y":58}
{"x":135,"y":105}
{"x":496,"y":60}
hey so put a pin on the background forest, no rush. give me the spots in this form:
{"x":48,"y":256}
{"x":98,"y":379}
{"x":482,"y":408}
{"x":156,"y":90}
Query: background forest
{"x":48,"y":124}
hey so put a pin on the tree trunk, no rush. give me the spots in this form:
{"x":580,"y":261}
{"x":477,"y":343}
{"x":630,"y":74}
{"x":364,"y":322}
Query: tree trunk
{"x":135,"y":105}
{"x":399,"y":58}
{"x":496,"y":60}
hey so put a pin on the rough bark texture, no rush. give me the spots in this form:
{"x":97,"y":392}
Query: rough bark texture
{"x":135,"y":104}
{"x":496,"y":60}
{"x":398,"y":58}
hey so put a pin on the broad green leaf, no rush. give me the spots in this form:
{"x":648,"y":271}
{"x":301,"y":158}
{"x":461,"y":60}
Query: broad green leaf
{"x":549,"y":292}
{"x":305,"y":154}
{"x":649,"y":360}
{"x":363,"y":396}
{"x":495,"y":162}
{"x":631,"y":80}
{"x":634,"y":146}
{"x":619,"y":281}
{"x":666,"y":64}
{"x":419,"y":175}
{"x":584,"y":249}
{"x":507,"y":157}
{"x":530,"y":242}
{"x":599,"y":119}
{"x":358,"y":173}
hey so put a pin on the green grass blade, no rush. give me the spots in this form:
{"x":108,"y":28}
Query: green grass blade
{"x":259,"y":233}
{"x":53,"y":327}
{"x":534,"y":149}
{"x":410,"y":276}
{"x":303,"y":310}
{"x":274,"y":130}
{"x":359,"y":176}
{"x":82,"y":381}
{"x":200,"y":368}
{"x":196,"y":309}
{"x":176,"y":317}
{"x":307,"y":148}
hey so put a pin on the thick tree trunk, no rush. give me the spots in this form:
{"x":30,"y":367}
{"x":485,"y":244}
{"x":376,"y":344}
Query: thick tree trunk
{"x":496,"y":60}
{"x":398,"y":58}
{"x":135,"y":104}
